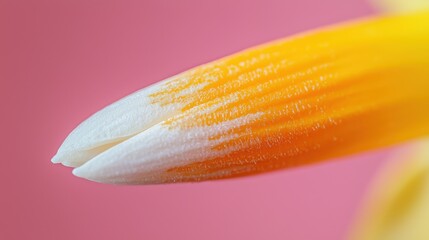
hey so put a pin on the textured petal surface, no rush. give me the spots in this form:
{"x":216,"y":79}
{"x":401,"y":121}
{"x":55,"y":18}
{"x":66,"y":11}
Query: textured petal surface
{"x":316,"y":96}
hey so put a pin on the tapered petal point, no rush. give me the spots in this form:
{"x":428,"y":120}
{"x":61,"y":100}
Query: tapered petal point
{"x":318,"y":96}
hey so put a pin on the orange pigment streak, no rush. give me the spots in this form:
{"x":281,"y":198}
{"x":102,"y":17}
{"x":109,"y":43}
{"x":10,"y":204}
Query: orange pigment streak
{"x":324,"y":95}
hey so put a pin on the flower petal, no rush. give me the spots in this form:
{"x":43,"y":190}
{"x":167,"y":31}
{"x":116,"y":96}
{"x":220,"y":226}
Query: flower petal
{"x":112,"y":125}
{"x":398,"y":205}
{"x":313,"y":97}
{"x":401,"y":5}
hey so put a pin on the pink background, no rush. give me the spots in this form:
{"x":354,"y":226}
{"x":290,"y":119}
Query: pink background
{"x":60,"y":61}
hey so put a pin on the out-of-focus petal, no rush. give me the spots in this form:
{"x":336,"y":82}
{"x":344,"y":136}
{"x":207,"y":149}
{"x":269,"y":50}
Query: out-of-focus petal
{"x":398,"y":208}
{"x":401,"y":5}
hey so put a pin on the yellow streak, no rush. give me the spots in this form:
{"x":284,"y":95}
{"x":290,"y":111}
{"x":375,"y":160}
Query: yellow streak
{"x":397,"y":207}
{"x":401,"y":5}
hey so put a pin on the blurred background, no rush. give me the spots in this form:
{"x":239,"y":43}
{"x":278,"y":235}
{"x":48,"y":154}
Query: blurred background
{"x":60,"y":61}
